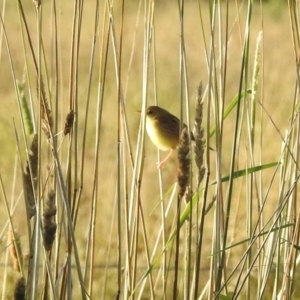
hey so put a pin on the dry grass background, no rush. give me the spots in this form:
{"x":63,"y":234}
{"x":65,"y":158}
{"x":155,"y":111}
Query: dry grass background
{"x":276,"y":92}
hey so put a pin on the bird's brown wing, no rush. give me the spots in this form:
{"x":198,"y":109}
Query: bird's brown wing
{"x":169,"y":125}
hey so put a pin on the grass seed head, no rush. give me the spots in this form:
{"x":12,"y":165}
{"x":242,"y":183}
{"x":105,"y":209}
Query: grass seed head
{"x":199,"y":135}
{"x":69,"y":122}
{"x":49,"y":229}
{"x":20,"y":289}
{"x":184,"y":162}
{"x":30,"y":177}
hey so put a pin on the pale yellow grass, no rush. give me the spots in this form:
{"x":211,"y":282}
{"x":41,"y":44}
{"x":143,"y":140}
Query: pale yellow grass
{"x":277,"y":96}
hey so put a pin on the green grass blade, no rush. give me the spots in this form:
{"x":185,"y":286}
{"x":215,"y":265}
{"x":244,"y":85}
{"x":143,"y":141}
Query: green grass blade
{"x":229,"y":108}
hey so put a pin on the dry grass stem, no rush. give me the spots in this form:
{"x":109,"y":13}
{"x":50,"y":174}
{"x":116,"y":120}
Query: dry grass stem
{"x":37,"y":3}
{"x":49,"y":229}
{"x":210,"y":205}
{"x":14,"y":249}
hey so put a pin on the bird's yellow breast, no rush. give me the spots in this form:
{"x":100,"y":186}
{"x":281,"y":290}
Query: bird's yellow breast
{"x":159,"y":137}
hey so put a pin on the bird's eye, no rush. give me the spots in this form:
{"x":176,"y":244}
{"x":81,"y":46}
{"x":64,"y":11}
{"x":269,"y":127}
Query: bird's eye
{"x":150,"y":112}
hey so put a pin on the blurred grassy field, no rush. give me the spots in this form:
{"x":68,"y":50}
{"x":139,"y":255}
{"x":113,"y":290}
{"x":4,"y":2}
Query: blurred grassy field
{"x":276,"y":94}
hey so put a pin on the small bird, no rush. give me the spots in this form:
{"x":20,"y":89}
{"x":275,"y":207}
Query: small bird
{"x":163,"y":130}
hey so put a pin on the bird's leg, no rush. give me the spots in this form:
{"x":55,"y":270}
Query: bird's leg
{"x":160,"y":164}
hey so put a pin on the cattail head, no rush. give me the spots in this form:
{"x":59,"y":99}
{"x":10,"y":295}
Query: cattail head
{"x":184,"y":162}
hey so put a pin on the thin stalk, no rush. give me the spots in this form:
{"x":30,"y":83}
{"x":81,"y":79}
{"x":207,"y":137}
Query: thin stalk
{"x":33,"y":288}
{"x":243,"y":77}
